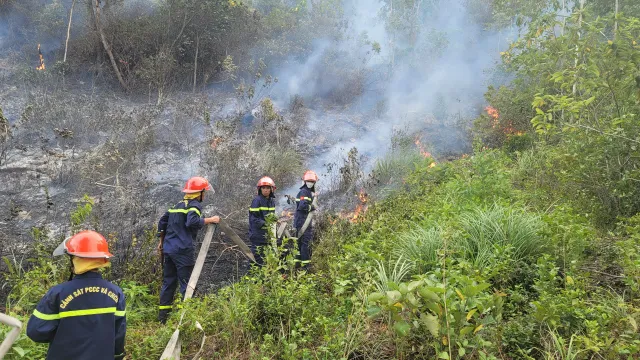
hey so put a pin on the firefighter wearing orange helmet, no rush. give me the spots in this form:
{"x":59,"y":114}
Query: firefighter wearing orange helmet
{"x":83,"y":318}
{"x":262,"y":205}
{"x":177,"y":229}
{"x":302,"y":219}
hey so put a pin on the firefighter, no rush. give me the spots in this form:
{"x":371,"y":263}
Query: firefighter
{"x":261,"y":206}
{"x":83,"y":318}
{"x":177,"y":229}
{"x":302,"y":219}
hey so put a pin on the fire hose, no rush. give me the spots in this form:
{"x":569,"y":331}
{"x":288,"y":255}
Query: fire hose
{"x":237,"y":240}
{"x":308,"y":220}
{"x":174,"y":346}
{"x":12,"y":335}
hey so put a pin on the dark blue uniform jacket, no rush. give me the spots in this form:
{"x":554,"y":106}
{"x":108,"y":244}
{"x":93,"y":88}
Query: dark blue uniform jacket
{"x":81,"y":319}
{"x":181,"y":224}
{"x":304,"y":200}
{"x":260,"y":208}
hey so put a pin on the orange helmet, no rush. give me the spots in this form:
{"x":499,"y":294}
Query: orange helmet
{"x":266,"y":181}
{"x":196,"y":184}
{"x":85,"y":244}
{"x":310,"y":175}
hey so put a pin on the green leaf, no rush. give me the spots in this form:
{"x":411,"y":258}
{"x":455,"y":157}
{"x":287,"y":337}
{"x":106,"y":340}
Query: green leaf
{"x":431,"y":323}
{"x":403,"y":288}
{"x":414,"y":284}
{"x":428,"y":294}
{"x":374,"y":297}
{"x":633,"y":323}
{"x":19,"y":350}
{"x":402,"y":328}
{"x":589,"y":100}
{"x":435,"y":307}
{"x":443,"y":355}
{"x":437,"y":290}
{"x":373,"y":311}
{"x":412,"y":299}
{"x":465,"y":330}
{"x":478,"y":289}
{"x":394,"y":296}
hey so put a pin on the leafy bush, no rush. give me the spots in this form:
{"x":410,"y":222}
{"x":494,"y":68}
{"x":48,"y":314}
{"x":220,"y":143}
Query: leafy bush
{"x":445,"y":306}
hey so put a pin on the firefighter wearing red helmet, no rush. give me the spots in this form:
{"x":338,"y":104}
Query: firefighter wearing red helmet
{"x":302,"y":220}
{"x":262,"y":205}
{"x":177,"y":229}
{"x":83,"y":318}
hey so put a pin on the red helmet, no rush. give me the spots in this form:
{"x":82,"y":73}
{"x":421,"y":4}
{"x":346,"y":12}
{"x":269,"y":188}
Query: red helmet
{"x":196,"y":184}
{"x":85,"y":244}
{"x":266,"y":181}
{"x":310,"y":175}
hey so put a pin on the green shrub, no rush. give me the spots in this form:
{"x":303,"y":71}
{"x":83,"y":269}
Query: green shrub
{"x":447,"y":308}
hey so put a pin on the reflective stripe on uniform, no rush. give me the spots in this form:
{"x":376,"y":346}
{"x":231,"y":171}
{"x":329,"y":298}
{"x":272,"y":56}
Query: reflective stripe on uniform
{"x":164,"y":307}
{"x":262,"y":209}
{"x":73,"y":313}
{"x":304,"y":198}
{"x":184,"y":211}
{"x":42,"y":316}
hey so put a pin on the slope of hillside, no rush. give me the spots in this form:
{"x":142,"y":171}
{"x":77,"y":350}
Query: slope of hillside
{"x":473,"y":258}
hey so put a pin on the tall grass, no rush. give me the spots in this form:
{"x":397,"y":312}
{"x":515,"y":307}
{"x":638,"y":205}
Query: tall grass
{"x":420,"y":246}
{"x":385,"y":275}
{"x":497,"y":229}
{"x":391,"y":169}
{"x":556,"y":348}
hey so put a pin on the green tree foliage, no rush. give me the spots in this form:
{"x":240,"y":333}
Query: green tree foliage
{"x":584,"y":88}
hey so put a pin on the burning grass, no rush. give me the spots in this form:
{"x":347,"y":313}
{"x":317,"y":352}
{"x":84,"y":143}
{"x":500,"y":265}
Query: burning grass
{"x":40,"y":67}
{"x":361,"y":208}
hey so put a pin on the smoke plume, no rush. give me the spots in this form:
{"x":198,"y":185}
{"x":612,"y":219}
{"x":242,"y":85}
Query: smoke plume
{"x":426,"y":79}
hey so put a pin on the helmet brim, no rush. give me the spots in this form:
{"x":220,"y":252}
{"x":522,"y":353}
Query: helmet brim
{"x":92,"y":255}
{"x":61,"y":249}
{"x":208,"y":188}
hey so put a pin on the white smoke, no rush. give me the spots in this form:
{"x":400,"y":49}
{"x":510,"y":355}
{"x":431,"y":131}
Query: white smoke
{"x":445,"y":85}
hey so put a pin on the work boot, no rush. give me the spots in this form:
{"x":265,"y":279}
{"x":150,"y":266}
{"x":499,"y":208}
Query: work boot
{"x":163,"y":315}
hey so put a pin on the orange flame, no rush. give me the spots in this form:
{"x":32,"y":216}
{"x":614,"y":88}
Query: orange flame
{"x":421,"y":148}
{"x":41,"y":66}
{"x":363,"y":196}
{"x":493,"y":112}
{"x":507,"y":129}
{"x":361,"y":208}
{"x":423,"y":152}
